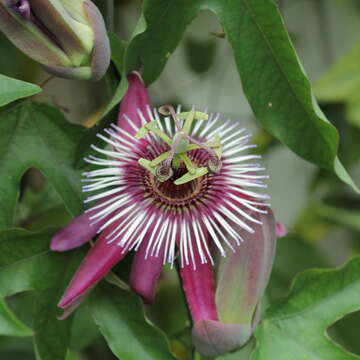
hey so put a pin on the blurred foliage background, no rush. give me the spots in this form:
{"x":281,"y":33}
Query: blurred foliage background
{"x":321,"y":213}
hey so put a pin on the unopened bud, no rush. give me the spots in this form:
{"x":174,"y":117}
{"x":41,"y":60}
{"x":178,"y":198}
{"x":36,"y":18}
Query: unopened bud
{"x":243,"y":275}
{"x":67,"y":37}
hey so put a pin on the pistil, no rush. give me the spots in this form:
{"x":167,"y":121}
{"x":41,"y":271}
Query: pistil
{"x":163,"y":165}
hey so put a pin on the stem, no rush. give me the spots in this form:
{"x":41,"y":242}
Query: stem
{"x":43,"y":84}
{"x":110,"y":14}
{"x":46,"y":81}
{"x":324,"y":31}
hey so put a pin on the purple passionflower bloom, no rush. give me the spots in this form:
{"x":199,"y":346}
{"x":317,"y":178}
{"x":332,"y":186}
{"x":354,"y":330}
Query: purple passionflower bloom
{"x":67,"y":37}
{"x":181,"y":187}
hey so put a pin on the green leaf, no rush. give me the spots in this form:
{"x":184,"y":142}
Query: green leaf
{"x":10,"y":325}
{"x":13,"y":89}
{"x":15,"y":345}
{"x":120,"y":318}
{"x":152,"y":48}
{"x":293,"y":255}
{"x":38,"y":136}
{"x":275,"y":83}
{"x":83,"y":331}
{"x":272,"y":76}
{"x":119,"y":55}
{"x":89,"y":137}
{"x":295,"y":327}
{"x":243,"y":354}
{"x":26,"y":264}
{"x":118,"y":95}
{"x":175,"y":321}
{"x":72,"y":355}
{"x":118,"y":48}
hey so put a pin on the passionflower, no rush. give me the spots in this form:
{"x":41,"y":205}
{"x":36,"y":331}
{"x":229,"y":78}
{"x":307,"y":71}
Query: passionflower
{"x":178,"y":185}
{"x":68,"y":37}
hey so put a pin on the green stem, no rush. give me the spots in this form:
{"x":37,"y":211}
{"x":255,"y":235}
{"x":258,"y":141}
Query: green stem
{"x":110,"y":14}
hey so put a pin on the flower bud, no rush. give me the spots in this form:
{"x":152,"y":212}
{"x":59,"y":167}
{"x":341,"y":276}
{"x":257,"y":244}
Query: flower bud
{"x":243,"y":276}
{"x":67,"y":37}
{"x":241,"y":279}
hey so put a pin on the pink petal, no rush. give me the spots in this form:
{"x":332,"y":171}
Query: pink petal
{"x":99,"y":260}
{"x":199,"y":290}
{"x":145,"y":273}
{"x":74,"y":305}
{"x":135,"y":99}
{"x":76,"y":233}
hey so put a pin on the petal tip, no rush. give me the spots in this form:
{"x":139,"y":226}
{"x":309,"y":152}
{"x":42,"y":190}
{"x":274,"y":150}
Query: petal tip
{"x":137,"y":73}
{"x":280,"y":229}
{"x":57,"y":245}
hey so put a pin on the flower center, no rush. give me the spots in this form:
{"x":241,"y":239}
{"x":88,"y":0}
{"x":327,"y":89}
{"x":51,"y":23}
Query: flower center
{"x":172,"y":194}
{"x":180,"y":146}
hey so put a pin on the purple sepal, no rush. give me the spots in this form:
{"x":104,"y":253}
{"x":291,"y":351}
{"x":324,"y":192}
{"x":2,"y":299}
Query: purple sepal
{"x":74,"y":305}
{"x":136,"y":99}
{"x":199,"y":289}
{"x":77,"y":232}
{"x":145,"y":273}
{"x":98,"y":262}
